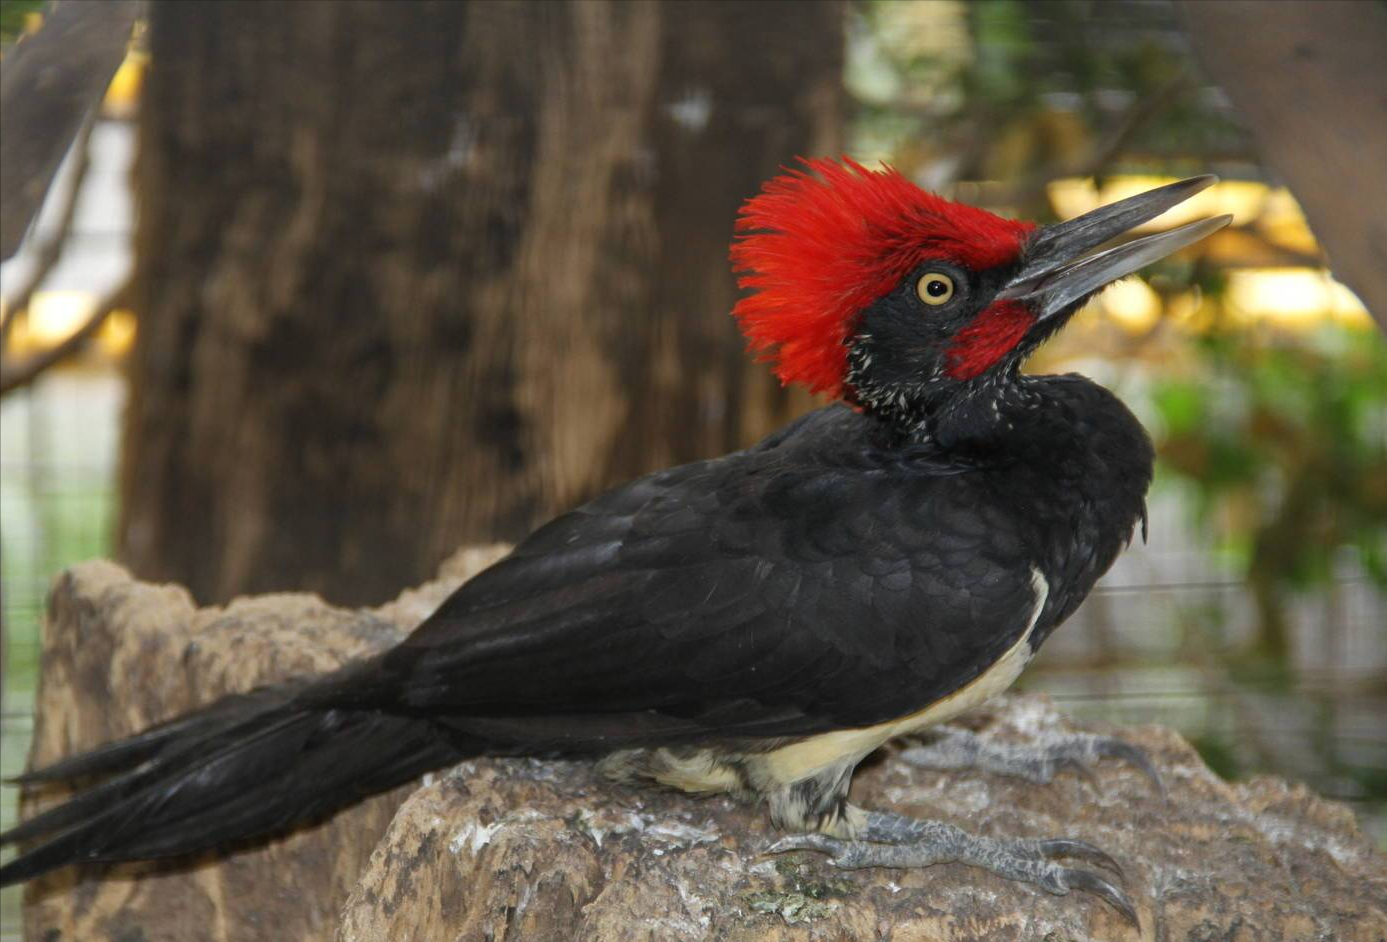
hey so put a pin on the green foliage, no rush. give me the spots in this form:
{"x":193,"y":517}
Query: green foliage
{"x":1010,"y":90}
{"x":1283,"y":444}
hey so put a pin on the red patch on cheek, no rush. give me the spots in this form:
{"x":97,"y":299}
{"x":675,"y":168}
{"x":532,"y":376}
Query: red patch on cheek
{"x":992,"y":335}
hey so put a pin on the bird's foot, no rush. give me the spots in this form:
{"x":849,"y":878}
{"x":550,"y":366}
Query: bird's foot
{"x":892,"y":840}
{"x":1073,"y":752}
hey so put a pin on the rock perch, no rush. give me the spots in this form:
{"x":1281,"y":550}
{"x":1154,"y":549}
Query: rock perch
{"x":525,"y":850}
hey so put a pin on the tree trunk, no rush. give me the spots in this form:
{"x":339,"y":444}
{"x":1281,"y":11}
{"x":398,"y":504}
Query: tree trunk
{"x":1308,"y":78}
{"x":413,"y":275}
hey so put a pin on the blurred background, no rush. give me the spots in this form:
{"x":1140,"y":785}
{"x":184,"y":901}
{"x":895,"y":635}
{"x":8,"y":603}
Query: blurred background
{"x":323,"y":291}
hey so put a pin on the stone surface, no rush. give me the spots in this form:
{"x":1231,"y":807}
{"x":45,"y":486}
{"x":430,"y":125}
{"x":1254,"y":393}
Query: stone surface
{"x":529,"y":850}
{"x":119,"y":655}
{"x":522,"y":850}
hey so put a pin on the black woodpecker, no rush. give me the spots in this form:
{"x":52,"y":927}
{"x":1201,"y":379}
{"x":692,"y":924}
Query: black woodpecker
{"x":756,"y":623}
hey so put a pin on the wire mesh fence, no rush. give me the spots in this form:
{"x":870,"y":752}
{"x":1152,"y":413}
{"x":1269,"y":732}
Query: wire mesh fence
{"x":1168,"y":637}
{"x":57,"y":498}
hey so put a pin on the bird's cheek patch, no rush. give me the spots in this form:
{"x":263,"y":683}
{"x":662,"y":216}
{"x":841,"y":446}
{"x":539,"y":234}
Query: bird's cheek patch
{"x":992,"y":335}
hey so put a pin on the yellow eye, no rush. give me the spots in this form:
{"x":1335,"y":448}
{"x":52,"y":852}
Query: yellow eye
{"x":935,"y":288}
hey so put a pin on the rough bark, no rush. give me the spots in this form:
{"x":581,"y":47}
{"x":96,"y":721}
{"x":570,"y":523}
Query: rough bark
{"x":519,"y":850}
{"x":413,"y":274}
{"x":1308,"y":78}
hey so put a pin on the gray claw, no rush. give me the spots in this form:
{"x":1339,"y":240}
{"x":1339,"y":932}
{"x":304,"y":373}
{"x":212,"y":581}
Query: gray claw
{"x":1117,"y":749}
{"x":1082,"y":850}
{"x":961,"y":749}
{"x":1092,"y":883}
{"x":808,"y":841}
{"x":895,"y":841}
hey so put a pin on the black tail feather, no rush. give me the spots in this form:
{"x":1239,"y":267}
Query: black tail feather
{"x":127,"y":753}
{"x":246,"y":767}
{"x":175,"y":743}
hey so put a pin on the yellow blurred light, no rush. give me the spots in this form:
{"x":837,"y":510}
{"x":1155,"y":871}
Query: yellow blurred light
{"x":117,"y":332}
{"x":1284,"y":223}
{"x":123,"y":94}
{"x":1132,"y":304}
{"x":55,"y":315}
{"x":1293,"y":297}
{"x":1072,"y":196}
{"x":1243,"y":199}
{"x":1190,"y":310}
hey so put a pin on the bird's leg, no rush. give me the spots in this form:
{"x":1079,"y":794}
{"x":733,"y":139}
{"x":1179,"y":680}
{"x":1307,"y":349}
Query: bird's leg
{"x":883,"y":839}
{"x":1037,"y":762}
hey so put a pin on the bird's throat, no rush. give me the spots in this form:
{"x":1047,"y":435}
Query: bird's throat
{"x":980,"y":422}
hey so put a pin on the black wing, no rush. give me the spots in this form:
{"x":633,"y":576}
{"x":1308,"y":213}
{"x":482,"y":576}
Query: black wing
{"x":809,"y":583}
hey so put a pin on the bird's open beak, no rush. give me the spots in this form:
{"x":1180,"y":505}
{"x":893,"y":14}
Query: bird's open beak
{"x":1055,"y":274}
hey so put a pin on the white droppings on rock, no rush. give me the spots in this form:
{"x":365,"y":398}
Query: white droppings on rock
{"x":1281,"y":831}
{"x":648,"y":827}
{"x":964,"y":795}
{"x":679,"y":833}
{"x":474,"y":836}
{"x":1032,"y":716}
{"x":463,"y":770}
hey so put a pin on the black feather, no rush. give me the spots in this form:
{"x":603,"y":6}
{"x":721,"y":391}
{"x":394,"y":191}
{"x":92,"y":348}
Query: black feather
{"x":247,"y":766}
{"x":833,"y":576}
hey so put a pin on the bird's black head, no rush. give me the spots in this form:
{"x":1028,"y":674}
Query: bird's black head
{"x":917,"y":309}
{"x":938,"y":337}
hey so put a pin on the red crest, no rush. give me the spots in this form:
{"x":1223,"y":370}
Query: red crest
{"x":820,"y":245}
